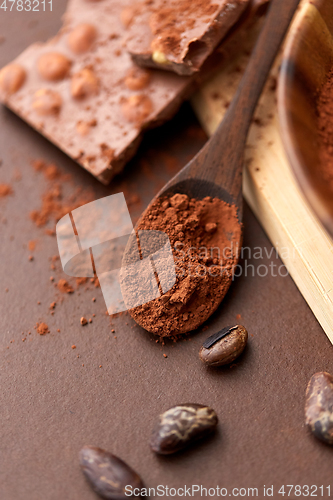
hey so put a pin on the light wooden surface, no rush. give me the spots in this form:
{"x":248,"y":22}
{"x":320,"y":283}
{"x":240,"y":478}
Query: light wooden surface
{"x":272,"y":192}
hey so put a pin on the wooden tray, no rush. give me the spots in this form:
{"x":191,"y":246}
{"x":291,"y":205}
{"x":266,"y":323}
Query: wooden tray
{"x":272,"y":191}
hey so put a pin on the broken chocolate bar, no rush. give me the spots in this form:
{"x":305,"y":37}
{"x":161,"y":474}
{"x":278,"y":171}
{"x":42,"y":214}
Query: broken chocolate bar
{"x":83,"y":92}
{"x":178,"y":35}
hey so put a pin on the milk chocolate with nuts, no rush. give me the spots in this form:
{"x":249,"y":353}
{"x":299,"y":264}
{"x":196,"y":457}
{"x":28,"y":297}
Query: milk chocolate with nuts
{"x":179,"y":35}
{"x":83,"y":92}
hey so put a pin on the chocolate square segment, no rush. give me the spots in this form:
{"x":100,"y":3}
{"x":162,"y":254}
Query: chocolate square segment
{"x":178,"y":35}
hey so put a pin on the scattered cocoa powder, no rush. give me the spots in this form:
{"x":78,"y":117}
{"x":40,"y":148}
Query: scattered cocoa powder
{"x":95,"y":282}
{"x":325,"y":125}
{"x":81,"y":281}
{"x":64,"y":286}
{"x":61,"y":196}
{"x":32,"y":245}
{"x":53,"y":207}
{"x":205,"y":237}
{"x":42,"y":328}
{"x":50,"y":170}
{"x":54,"y":204}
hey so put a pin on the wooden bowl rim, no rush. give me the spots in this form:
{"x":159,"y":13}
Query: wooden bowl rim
{"x":322,"y":209}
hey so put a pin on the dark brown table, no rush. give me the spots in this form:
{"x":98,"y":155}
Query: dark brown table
{"x":51,"y":405}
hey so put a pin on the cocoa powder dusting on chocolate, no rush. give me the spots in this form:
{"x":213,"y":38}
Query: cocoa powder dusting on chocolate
{"x":205,"y":237}
{"x":169,"y":23}
{"x":325,"y":125}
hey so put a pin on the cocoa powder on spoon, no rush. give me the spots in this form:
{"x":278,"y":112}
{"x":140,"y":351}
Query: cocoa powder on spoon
{"x":204,"y":236}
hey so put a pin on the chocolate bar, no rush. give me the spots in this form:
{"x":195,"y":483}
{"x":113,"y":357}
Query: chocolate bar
{"x":83,"y":92}
{"x":178,"y":35}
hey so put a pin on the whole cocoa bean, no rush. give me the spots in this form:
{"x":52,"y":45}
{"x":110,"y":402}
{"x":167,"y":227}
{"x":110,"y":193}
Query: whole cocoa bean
{"x":224,"y":347}
{"x":319,"y":406}
{"x":109,"y":475}
{"x":180,"y":426}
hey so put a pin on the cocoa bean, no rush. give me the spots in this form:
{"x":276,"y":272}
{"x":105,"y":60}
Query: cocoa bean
{"x":109,"y":475}
{"x":180,"y":426}
{"x":224,"y":347}
{"x":319,"y":406}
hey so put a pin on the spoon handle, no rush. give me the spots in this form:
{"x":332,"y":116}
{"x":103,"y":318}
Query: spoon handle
{"x":270,"y":39}
{"x":223,"y":154}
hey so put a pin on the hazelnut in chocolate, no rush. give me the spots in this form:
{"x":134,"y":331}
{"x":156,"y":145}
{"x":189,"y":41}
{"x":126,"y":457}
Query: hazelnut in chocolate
{"x":12,"y":78}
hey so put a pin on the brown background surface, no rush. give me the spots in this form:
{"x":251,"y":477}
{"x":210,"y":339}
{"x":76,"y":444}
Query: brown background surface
{"x":51,"y":405}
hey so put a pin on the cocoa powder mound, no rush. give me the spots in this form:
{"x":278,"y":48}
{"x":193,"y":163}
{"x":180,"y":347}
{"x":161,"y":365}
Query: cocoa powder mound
{"x":205,"y":237}
{"x":64,"y":286}
{"x":325,"y":125}
{"x":42,"y":328}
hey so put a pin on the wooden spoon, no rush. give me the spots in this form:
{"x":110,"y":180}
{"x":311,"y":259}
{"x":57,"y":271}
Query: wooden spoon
{"x":216,"y":171}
